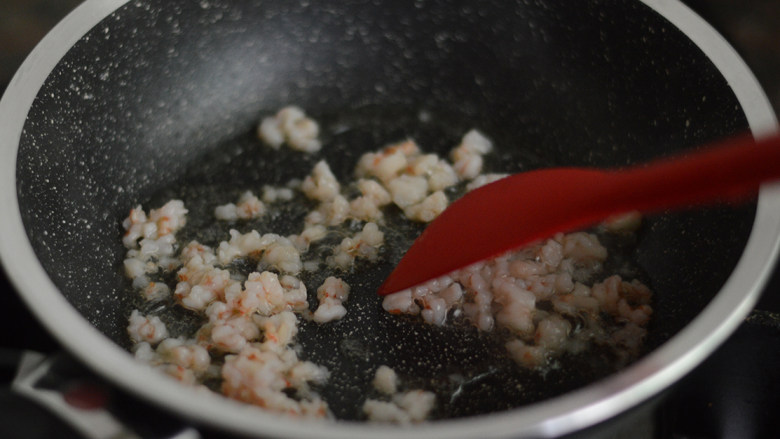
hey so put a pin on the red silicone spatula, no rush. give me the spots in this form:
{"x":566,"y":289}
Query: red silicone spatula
{"x":529,"y":206}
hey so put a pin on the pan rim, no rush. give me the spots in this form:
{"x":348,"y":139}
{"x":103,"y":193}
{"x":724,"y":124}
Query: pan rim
{"x":560,"y":415}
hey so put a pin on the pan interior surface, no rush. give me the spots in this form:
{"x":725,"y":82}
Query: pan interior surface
{"x":160,"y":100}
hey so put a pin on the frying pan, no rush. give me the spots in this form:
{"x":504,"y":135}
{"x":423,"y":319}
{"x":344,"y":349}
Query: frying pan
{"x":129,"y":102}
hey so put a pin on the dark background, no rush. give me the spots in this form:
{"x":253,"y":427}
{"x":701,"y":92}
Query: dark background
{"x":736,"y":393}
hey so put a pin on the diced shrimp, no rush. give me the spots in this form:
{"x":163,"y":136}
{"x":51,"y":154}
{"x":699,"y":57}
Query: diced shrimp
{"x":441,"y":176}
{"x":407,"y":190}
{"x":184,"y":353}
{"x":273,"y":194}
{"x":608,"y":293}
{"x":331,"y":294}
{"x":265,"y":292}
{"x":408,"y":148}
{"x":247,"y":244}
{"x":365,"y":209}
{"x":525,"y":355}
{"x":270,"y":132}
{"x":310,"y":234}
{"x":248,"y":207}
{"x":552,"y":332}
{"x":584,"y":247}
{"x":422,"y":164}
{"x":469,"y":166}
{"x":169,"y":218}
{"x":428,"y":209}
{"x":330,"y":213}
{"x":400,"y":303}
{"x":156,"y":291}
{"x":278,"y":329}
{"x":625,"y":223}
{"x":290,"y":125}
{"x":321,"y":184}
{"x":364,"y":244}
{"x":282,"y":255}
{"x":434,"y":310}
{"x":294,"y":293}
{"x":385,"y":380}
{"x":306,"y":372}
{"x":417,"y":403}
{"x":385,"y":165}
{"x":385,"y":411}
{"x":233,"y":334}
{"x":200,"y":284}
{"x":135,"y":267}
{"x":260,"y":377}
{"x":373,"y":190}
{"x":405,"y":408}
{"x":148,"y":329}
{"x":300,"y":131}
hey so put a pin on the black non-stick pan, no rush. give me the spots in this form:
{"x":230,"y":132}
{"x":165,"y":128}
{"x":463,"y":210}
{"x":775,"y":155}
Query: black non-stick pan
{"x":139,"y":102}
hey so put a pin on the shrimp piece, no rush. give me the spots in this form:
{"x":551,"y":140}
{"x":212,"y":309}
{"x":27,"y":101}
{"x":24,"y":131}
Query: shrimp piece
{"x":408,"y":148}
{"x":290,"y":125}
{"x":179,"y":373}
{"x":331,"y":213}
{"x":248,"y":207}
{"x":278,"y":329}
{"x":434,"y":310}
{"x":331,"y":294}
{"x":468,"y":166}
{"x":283,"y":255}
{"x":264,"y":292}
{"x":321,"y":184}
{"x":428,"y":209}
{"x":273,"y":194}
{"x":441,"y":176}
{"x":407,"y":190}
{"x":467,"y":157}
{"x":294,"y":293}
{"x":526,"y":355}
{"x":364,"y":244}
{"x":311,"y":233}
{"x":231,"y":335}
{"x":385,"y":411}
{"x":200,"y":284}
{"x":385,"y":165}
{"x":583,"y":247}
{"x":417,"y":403}
{"x":365,"y":209}
{"x":186,"y":354}
{"x":148,"y":329}
{"x":385,"y":380}
{"x":374,"y":191}
{"x":156,"y":291}
{"x":260,"y":377}
{"x":305,"y":372}
{"x":400,"y":303}
{"x":626,"y":223}
{"x":422,"y":165}
{"x":194,"y":248}
{"x":169,"y":218}
{"x":133,"y":226}
{"x":246,"y":244}
{"x":161,"y":222}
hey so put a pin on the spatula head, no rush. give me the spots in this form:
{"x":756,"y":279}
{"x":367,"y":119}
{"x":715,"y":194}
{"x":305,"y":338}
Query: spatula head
{"x":496,"y":218}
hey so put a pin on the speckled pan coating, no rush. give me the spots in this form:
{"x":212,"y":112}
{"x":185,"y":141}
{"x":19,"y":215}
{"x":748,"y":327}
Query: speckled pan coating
{"x":154,"y":87}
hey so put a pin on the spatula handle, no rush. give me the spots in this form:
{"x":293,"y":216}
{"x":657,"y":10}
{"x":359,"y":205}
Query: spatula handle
{"x":734,"y":168}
